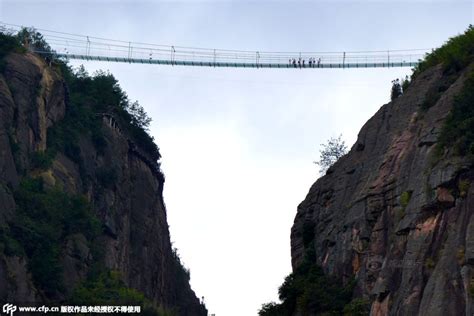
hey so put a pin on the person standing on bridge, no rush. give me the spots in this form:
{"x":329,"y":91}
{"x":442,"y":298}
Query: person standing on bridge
{"x":299,"y":62}
{"x":310,"y":62}
{"x":303,"y":63}
{"x":294,"y":62}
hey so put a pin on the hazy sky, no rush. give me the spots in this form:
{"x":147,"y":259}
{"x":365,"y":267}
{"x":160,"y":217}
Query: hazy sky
{"x":238,"y":145}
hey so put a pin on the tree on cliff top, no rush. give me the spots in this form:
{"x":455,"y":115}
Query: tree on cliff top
{"x":331,"y":152}
{"x":139,"y":116}
{"x":29,"y":37}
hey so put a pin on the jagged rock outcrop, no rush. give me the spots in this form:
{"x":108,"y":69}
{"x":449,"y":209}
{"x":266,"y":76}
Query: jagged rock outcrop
{"x":393,"y":214}
{"x":135,"y":238}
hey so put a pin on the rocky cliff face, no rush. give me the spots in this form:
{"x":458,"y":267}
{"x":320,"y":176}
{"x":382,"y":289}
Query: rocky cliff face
{"x":135,"y":239}
{"x":395,"y":214}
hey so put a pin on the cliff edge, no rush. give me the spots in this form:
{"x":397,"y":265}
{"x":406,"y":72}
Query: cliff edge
{"x":82,"y":217}
{"x":395,"y":215}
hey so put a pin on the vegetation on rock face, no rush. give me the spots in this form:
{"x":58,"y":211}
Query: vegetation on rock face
{"x":357,"y":307}
{"x":463,"y":187}
{"x":8,"y":245}
{"x":45,"y":217}
{"x":108,"y":289}
{"x":455,"y":55}
{"x":471,"y":287}
{"x":307,"y":290}
{"x":437,"y":89}
{"x":331,"y":152}
{"x":182,"y":275}
{"x":429,"y":263}
{"x":311,"y":292}
{"x":16,"y":43}
{"x":43,"y":220}
{"x":405,"y":198}
{"x":34,"y":39}
{"x":41,"y":159}
{"x":8,"y":44}
{"x":90,"y":98}
{"x":458,"y":129}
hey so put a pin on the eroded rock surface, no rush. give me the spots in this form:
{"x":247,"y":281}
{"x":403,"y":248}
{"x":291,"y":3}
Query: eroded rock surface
{"x":391,"y":213}
{"x":33,"y":98}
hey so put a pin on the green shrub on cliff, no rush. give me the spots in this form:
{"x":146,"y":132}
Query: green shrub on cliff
{"x":90,"y":97}
{"x":311,"y":292}
{"x":463,"y":187}
{"x":330,"y":153}
{"x":8,"y":245}
{"x":458,"y":129}
{"x":405,"y":198}
{"x":109,"y":289}
{"x":34,"y":40}
{"x":42,"y":159}
{"x":455,"y":54}
{"x":357,"y":307}
{"x":80,"y":121}
{"x":471,"y":287}
{"x":106,"y":289}
{"x":43,"y":220}
{"x":182,"y":274}
{"x":8,"y":44}
{"x":14,"y":43}
{"x":270,"y":309}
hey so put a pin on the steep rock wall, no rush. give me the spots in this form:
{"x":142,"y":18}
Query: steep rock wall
{"x":135,"y":238}
{"x":394,"y":215}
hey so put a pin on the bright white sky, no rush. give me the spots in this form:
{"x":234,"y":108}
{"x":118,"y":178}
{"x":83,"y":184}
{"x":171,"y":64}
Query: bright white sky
{"x":238,"y":145}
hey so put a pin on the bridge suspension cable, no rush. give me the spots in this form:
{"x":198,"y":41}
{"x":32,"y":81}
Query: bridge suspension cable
{"x":83,"y":47}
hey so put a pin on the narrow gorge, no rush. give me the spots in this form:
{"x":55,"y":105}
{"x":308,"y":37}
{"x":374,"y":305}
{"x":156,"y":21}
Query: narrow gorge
{"x":388,"y":230}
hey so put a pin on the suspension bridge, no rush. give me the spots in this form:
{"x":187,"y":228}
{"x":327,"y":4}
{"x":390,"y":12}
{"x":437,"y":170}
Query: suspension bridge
{"x":88,"y":48}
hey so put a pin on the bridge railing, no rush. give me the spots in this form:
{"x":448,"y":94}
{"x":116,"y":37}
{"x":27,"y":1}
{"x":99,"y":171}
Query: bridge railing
{"x":66,"y":44}
{"x":224,"y":56}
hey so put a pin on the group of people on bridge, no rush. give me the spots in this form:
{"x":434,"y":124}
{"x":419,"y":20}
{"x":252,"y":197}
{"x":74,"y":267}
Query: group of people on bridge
{"x":301,"y":63}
